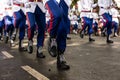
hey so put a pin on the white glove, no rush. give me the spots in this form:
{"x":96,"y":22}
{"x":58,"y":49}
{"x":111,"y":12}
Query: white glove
{"x":27,"y":5}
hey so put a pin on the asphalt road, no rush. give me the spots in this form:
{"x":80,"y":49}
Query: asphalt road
{"x":88,"y":61}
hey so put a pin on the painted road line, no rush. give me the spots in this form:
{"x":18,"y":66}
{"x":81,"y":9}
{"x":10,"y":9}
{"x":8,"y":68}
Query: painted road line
{"x":73,"y":44}
{"x":34,"y":73}
{"x":7,"y":55}
{"x":24,"y":44}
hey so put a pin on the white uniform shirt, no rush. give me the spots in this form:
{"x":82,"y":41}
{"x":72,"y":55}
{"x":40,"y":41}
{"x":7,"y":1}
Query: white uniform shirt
{"x":115,"y":14}
{"x":87,"y":5}
{"x":68,"y":2}
{"x":30,"y":6}
{"x":47,"y":16}
{"x":1,"y":11}
{"x":8,"y":8}
{"x":74,"y":19}
{"x":16,"y":7}
{"x":104,"y":4}
{"x":95,"y":17}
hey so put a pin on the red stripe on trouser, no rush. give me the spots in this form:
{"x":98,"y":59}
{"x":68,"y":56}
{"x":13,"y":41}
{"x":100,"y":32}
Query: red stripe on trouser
{"x":29,"y":27}
{"x":83,"y":26}
{"x":105,"y":23}
{"x":51,"y":19}
{"x":14,"y":20}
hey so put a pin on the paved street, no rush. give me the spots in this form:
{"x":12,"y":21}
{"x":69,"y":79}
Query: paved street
{"x":88,"y":61}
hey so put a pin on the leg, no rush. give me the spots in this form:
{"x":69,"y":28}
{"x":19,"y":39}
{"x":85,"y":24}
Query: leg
{"x":40,"y":20}
{"x":90,"y":30}
{"x":55,"y":14}
{"x":22,"y":31}
{"x":61,"y":42}
{"x":31,"y":29}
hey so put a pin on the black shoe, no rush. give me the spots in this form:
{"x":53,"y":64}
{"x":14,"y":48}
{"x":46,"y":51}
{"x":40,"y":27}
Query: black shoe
{"x":12,"y":44}
{"x":62,"y":65}
{"x":52,"y":47}
{"x":81,"y":34}
{"x":14,"y":37}
{"x":30,"y":47}
{"x":1,"y":38}
{"x":103,"y":34}
{"x":21,"y":49}
{"x":91,"y":40}
{"x":6,"y":39}
{"x":109,"y":41}
{"x":40,"y":53}
{"x":115,"y":35}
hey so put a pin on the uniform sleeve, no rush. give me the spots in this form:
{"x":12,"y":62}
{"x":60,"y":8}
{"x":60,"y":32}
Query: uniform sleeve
{"x":119,"y":15}
{"x":82,"y":4}
{"x":100,"y":3}
{"x":94,"y":5}
{"x":17,"y":1}
{"x":111,"y":3}
{"x":68,"y":2}
{"x":45,"y":1}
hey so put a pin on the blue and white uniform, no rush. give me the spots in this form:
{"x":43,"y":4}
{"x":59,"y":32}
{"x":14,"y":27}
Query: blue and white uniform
{"x":105,"y":6}
{"x":115,"y":21}
{"x":8,"y":18}
{"x":86,"y":14}
{"x":95,"y":21}
{"x":19,"y":21}
{"x":1,"y":19}
{"x":59,"y":22}
{"x":19,"y":17}
{"x":35,"y":13}
{"x":104,"y":11}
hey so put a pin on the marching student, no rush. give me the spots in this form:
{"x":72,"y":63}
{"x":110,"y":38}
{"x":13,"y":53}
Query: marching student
{"x":19,"y":22}
{"x":115,"y":22}
{"x":104,"y":8}
{"x":8,"y":20}
{"x":1,"y":21}
{"x":58,"y":10}
{"x":86,"y":17}
{"x":95,"y":21}
{"x":35,"y":13}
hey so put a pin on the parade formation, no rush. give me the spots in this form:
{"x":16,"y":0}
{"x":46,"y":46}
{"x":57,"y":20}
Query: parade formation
{"x":57,"y":18}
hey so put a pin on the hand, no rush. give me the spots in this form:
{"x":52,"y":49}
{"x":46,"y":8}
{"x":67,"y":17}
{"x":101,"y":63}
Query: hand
{"x":22,"y":4}
{"x":28,"y":6}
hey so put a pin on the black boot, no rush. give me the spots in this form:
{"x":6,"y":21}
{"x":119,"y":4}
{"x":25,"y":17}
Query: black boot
{"x":91,"y":40}
{"x":108,"y":39}
{"x":30,"y":47}
{"x":1,"y":38}
{"x":6,"y":38}
{"x":14,"y":37}
{"x":14,"y":34}
{"x":52,"y":47}
{"x":81,"y":34}
{"x":20,"y":47}
{"x":115,"y":35}
{"x":12,"y":44}
{"x":61,"y":63}
{"x":40,"y":53}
